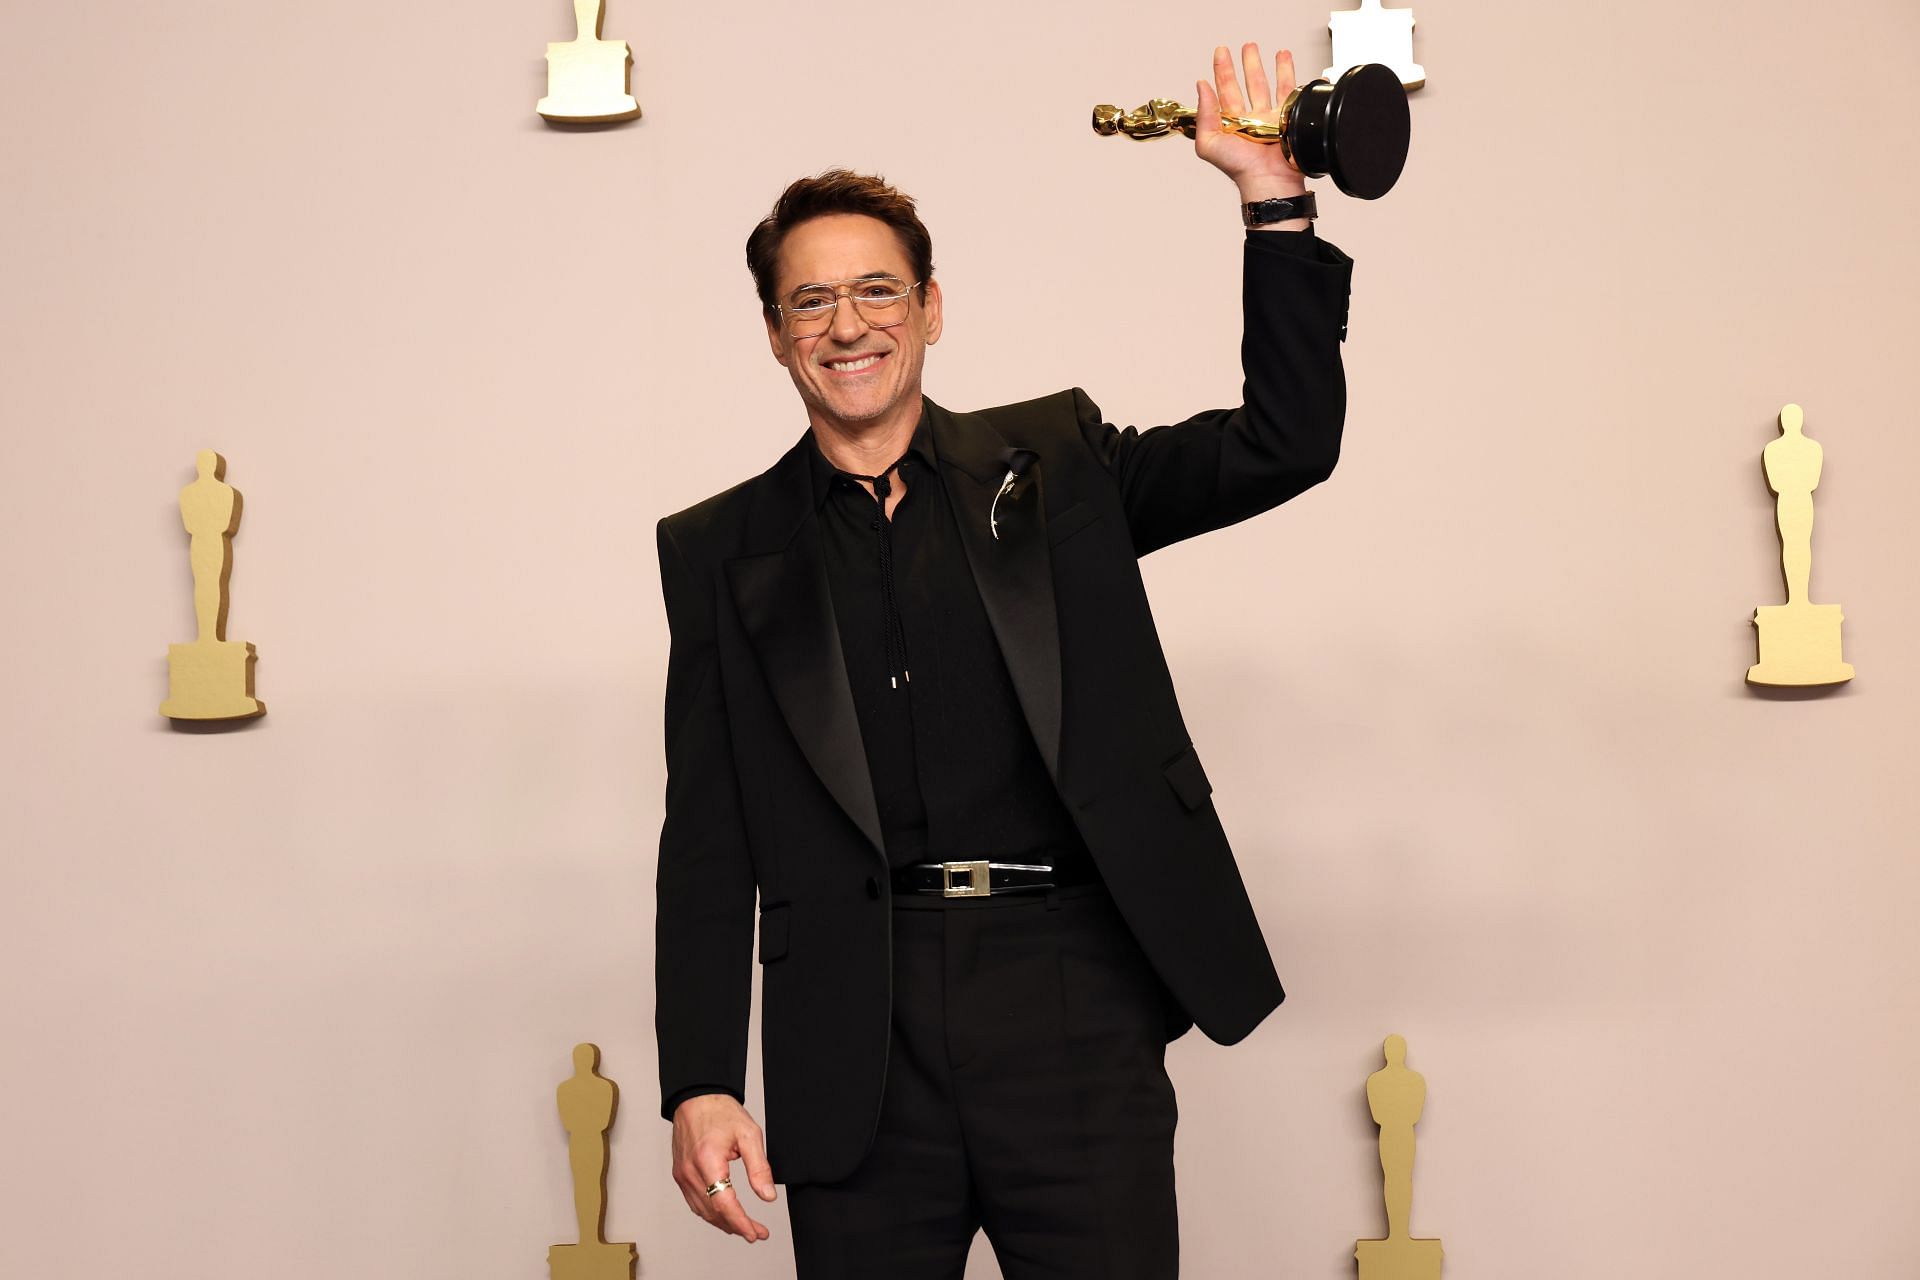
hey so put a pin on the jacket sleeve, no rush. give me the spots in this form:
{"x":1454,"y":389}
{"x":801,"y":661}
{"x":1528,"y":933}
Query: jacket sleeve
{"x":1224,"y":465}
{"x":704,"y":886}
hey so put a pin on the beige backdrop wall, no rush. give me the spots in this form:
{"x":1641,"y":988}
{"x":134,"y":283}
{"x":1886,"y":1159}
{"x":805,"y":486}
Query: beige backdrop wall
{"x":294,"y":1000}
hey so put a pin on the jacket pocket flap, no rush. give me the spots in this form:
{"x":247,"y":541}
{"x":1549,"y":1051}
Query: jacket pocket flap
{"x":773,"y":931}
{"x":1188,"y":779}
{"x":1071,"y":521}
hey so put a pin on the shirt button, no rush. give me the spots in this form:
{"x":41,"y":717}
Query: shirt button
{"x":874,"y":525}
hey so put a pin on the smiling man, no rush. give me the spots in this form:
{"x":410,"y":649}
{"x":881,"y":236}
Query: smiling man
{"x":917,"y":707}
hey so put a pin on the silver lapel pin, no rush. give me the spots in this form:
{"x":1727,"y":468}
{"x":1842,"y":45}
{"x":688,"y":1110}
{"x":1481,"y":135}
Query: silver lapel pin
{"x":992,"y":524}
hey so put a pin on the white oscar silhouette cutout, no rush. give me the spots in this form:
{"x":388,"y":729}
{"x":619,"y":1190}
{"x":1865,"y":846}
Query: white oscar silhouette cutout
{"x":589,"y":80}
{"x":1372,"y":33}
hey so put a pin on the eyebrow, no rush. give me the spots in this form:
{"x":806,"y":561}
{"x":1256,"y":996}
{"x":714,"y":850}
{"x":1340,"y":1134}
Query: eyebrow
{"x":818,"y":284}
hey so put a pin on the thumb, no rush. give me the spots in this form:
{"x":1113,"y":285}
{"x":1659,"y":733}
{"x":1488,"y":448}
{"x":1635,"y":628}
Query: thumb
{"x":1206,"y":116}
{"x":753,"y":1155}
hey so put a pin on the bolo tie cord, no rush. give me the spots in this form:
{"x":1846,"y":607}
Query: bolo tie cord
{"x":895,"y":635}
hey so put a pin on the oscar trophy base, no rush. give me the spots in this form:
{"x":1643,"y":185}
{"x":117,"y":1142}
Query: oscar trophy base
{"x":211,"y":680}
{"x":1398,"y":1259}
{"x":587,"y":83}
{"x":1799,"y":645}
{"x":591,"y":1261}
{"x":588,"y":109}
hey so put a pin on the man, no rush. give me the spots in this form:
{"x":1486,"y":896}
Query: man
{"x":915,"y":700}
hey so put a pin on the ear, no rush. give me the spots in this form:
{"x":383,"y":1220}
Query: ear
{"x":774,"y":338}
{"x":931,"y":292}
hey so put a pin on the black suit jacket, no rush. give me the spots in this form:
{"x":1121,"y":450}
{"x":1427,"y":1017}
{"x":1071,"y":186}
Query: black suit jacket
{"x":767,"y":784}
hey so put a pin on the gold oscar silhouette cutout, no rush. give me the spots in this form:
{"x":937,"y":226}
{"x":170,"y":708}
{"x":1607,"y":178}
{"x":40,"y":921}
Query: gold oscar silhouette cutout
{"x":1799,"y":640}
{"x":212,"y":678}
{"x":1375,"y":34}
{"x":588,"y":79}
{"x":1396,"y":1095}
{"x":587,"y":1103}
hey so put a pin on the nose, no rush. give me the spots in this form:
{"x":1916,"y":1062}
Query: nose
{"x":848,"y":324}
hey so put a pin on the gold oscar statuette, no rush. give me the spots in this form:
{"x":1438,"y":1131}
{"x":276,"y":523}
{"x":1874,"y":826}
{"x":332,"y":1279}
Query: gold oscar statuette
{"x":1799,"y":640}
{"x":1158,"y":117}
{"x":1396,"y":1095}
{"x":588,"y":79}
{"x":587,"y":1103}
{"x":1355,"y":129}
{"x":211,"y":678}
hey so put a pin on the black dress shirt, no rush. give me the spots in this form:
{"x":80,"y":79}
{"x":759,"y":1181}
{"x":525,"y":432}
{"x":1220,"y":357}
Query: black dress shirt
{"x":956,"y":773}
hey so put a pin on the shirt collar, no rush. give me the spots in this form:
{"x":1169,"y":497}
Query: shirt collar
{"x":823,"y":471}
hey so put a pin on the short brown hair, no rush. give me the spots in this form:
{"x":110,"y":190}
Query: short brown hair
{"x":835,"y":191}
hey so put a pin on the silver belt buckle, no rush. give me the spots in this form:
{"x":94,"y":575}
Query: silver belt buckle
{"x":977,"y":885}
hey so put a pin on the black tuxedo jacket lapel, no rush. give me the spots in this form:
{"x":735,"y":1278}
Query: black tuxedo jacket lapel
{"x":1012,"y":570}
{"x":786,"y":607}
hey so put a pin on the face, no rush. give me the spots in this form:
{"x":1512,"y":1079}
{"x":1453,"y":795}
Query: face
{"x":853,"y":376}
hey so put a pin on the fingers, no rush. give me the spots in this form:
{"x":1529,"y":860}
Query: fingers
{"x":1284,"y":80}
{"x":1260,"y":97}
{"x":723,"y":1208}
{"x":732,"y":1217}
{"x":693,"y":1187}
{"x":1227,"y":82}
{"x":1259,"y":92}
{"x":753,"y":1154}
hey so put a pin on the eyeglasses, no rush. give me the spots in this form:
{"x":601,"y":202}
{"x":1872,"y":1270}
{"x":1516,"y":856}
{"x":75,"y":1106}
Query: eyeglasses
{"x":880,"y":300}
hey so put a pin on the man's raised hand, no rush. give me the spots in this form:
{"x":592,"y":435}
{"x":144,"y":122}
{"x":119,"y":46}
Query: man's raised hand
{"x":710,"y":1132}
{"x":1259,"y":169}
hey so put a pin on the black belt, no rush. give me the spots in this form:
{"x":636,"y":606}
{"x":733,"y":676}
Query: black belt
{"x":982,"y":878}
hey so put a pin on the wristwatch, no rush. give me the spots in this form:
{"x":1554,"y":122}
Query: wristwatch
{"x":1263,"y":212}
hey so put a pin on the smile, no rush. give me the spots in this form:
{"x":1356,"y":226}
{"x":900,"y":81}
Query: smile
{"x":856,"y":365}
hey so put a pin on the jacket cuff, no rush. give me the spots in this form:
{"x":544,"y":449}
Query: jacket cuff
{"x":672,"y":1102}
{"x":1273,"y":247}
{"x":1294,"y":244}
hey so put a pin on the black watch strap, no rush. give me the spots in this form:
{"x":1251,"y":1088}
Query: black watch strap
{"x":1265,"y":212}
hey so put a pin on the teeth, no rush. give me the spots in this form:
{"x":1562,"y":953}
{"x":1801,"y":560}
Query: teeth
{"x":852,"y":366}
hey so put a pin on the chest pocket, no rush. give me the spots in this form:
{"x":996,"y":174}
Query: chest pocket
{"x":774,"y":924}
{"x":1071,"y":521}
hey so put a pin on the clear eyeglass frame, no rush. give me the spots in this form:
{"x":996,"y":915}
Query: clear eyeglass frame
{"x":876,"y":311}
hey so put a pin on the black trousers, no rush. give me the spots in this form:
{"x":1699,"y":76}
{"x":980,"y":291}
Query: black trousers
{"x":1026,"y":1096}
